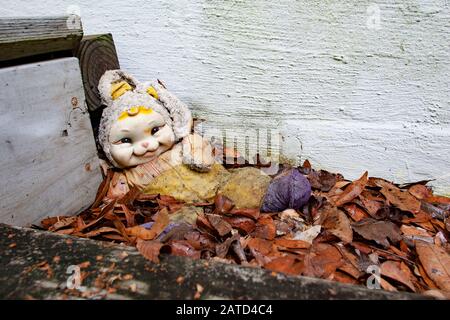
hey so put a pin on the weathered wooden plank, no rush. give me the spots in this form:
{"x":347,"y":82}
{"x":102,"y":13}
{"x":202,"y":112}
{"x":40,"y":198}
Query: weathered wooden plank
{"x":104,"y":263}
{"x":24,"y":37}
{"x":97,"y":54}
{"x":48,"y":159}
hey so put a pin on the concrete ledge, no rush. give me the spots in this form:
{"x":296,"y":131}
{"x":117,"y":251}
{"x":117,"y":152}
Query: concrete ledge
{"x":26,"y":276}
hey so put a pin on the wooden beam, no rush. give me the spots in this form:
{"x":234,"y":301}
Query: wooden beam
{"x":97,"y":54}
{"x":23,"y":249}
{"x":48,"y":161}
{"x":25,"y":37}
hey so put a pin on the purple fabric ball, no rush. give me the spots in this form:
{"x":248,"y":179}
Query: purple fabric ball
{"x":289,"y":190}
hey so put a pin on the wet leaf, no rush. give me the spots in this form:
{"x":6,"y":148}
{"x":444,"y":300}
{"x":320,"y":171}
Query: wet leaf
{"x":436,"y":262}
{"x":336,"y":222}
{"x":355,"y":212}
{"x":379,"y":231}
{"x":99,"y":231}
{"x":399,"y":272}
{"x":292,"y":244}
{"x":344,"y":278}
{"x":149,"y":249}
{"x":401,"y":199}
{"x":63,"y":222}
{"x":265,"y":228}
{"x":219,"y":224}
{"x":419,"y":191}
{"x":322,"y":180}
{"x":183,"y":248}
{"x":286,"y":264}
{"x":223,"y":248}
{"x":438,"y":199}
{"x":322,"y":261}
{"x":243,"y":224}
{"x":352,"y":191}
{"x":250,"y":213}
{"x":103,"y":189}
{"x":222,"y":204}
{"x":161,"y":222}
{"x":199,"y":241}
{"x":372,"y":206}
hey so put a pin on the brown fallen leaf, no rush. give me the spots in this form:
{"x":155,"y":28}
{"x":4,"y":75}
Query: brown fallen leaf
{"x":63,"y":222}
{"x":103,"y":189}
{"x":265,"y":228}
{"x":286,"y":264}
{"x":379,"y":231}
{"x":292,"y":244}
{"x":223,"y":248}
{"x":48,"y":222}
{"x":438,"y":199}
{"x":219,"y":224}
{"x":129,"y":215}
{"x":199,"y":241}
{"x":351,"y":270}
{"x":322,"y":261}
{"x":322,"y":180}
{"x":425,"y":277}
{"x":352,"y":191}
{"x":263,"y":246}
{"x":387,"y":286}
{"x":344,"y":278}
{"x":121,"y":228}
{"x":149,"y":249}
{"x":351,"y":263}
{"x":99,"y":231}
{"x":243,"y":224}
{"x":183,"y":248}
{"x":372,"y":206}
{"x":401,"y":199}
{"x":250,"y":212}
{"x":420,"y":191}
{"x":355,"y":212}
{"x":203,"y":223}
{"x":399,"y":272}
{"x":336,"y":222}
{"x":415,"y":233}
{"x":161,"y":222}
{"x":436,"y":262}
{"x":222,"y":204}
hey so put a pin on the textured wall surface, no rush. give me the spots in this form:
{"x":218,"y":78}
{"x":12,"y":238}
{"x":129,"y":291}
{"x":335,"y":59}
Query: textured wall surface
{"x":351,"y":85}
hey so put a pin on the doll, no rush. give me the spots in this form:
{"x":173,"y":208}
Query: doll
{"x":145,"y":130}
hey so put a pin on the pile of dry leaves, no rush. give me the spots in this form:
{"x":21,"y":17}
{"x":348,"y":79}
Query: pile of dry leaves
{"x":347,"y":231}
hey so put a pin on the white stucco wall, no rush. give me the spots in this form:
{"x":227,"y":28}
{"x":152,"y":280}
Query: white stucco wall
{"x":347,"y":92}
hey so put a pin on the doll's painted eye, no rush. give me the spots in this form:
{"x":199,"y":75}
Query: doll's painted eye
{"x":155,"y":130}
{"x":125,"y":140}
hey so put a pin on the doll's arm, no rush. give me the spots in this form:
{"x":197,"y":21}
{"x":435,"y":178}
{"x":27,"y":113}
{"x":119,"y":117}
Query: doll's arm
{"x":197,"y":153}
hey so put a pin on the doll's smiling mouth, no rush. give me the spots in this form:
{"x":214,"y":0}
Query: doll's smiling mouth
{"x":148,"y":154}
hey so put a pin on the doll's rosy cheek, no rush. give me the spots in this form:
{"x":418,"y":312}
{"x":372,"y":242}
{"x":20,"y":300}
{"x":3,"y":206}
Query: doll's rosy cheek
{"x":122,"y":153}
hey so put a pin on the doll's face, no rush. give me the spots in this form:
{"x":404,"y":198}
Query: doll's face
{"x":138,"y":136}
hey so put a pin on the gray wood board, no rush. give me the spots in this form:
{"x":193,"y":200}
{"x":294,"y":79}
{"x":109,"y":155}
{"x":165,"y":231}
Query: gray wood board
{"x":19,"y":280}
{"x":48,"y":160}
{"x":22,"y":37}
